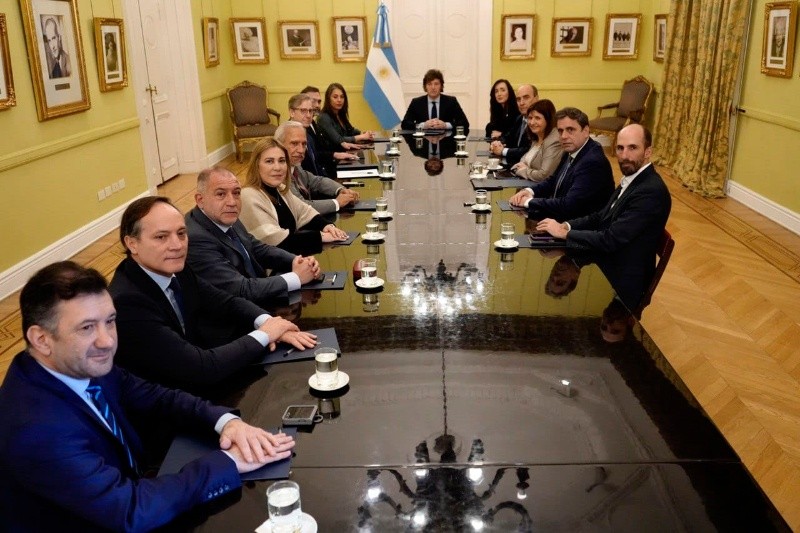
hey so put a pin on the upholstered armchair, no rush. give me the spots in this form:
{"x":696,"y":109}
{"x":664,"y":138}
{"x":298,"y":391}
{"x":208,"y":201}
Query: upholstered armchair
{"x":250,"y":115}
{"x":630,"y":109}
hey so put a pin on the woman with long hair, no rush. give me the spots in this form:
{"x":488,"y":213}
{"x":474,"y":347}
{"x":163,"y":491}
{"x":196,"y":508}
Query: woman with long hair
{"x":503,"y":111}
{"x":272,"y":213}
{"x":334,"y":121}
{"x":541,"y":160}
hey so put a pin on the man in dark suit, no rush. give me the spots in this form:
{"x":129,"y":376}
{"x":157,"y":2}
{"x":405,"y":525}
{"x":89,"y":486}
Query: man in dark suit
{"x":174,"y":327}
{"x":582,"y":182}
{"x":435,"y":111}
{"x":323,"y":194}
{"x":222,"y":252}
{"x":319,"y":160}
{"x":514,"y":143}
{"x":628,"y":229}
{"x":69,"y":452}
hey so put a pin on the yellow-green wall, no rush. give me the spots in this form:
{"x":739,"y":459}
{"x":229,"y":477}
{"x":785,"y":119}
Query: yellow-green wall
{"x":767,"y":147}
{"x":50,"y":171}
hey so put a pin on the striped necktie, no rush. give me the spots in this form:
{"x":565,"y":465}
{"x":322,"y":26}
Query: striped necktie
{"x":304,"y":192}
{"x":237,"y":242}
{"x":95,"y":393}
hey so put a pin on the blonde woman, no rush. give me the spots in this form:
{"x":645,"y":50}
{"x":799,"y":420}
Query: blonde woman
{"x":272,"y":213}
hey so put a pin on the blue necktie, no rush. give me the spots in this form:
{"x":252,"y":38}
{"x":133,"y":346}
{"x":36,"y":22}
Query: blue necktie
{"x":434,"y":114}
{"x":248,"y":263}
{"x":177,"y":301}
{"x":95,"y":393}
{"x":563,"y":174}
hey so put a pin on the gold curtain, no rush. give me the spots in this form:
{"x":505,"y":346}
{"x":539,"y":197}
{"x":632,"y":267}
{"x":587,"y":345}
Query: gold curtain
{"x":705,"y":42}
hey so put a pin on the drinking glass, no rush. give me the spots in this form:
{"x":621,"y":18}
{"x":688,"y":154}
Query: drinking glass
{"x":381,"y":204}
{"x":386,"y":167}
{"x":460,"y":130}
{"x":369,"y":271}
{"x":507,"y":233}
{"x":283,"y":505}
{"x":395,"y":133}
{"x":461,"y":146}
{"x":480,"y":197}
{"x":372,"y":228}
{"x":327,"y":366}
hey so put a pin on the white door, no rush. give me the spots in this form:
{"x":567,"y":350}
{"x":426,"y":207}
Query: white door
{"x":454,"y":36}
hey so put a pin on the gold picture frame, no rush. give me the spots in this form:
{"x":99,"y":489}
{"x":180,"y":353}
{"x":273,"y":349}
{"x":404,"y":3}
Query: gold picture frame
{"x":518,"y":37}
{"x":249,"y":40}
{"x":572,"y":37}
{"x":112,"y":63}
{"x":7,"y":95}
{"x":299,"y":39}
{"x":350,"y":39}
{"x":780,"y":24}
{"x":211,"y":41}
{"x":621,"y":40}
{"x":660,"y":38}
{"x":55,"y":53}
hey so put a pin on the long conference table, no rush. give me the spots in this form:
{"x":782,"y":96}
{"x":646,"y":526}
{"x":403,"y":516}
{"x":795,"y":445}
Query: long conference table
{"x":479,"y":402}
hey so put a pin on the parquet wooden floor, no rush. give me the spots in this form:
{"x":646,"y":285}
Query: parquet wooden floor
{"x":726,"y":316}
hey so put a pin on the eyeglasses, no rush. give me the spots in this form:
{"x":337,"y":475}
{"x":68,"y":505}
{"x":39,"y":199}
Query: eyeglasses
{"x":303,"y":111}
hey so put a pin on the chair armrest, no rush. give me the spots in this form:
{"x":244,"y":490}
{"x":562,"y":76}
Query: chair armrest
{"x":275,"y":114}
{"x":607,"y":106}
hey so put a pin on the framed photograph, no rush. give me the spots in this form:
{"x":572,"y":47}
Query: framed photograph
{"x":55,"y":53}
{"x":249,"y":40}
{"x":7,"y":97}
{"x":660,"y":38}
{"x":299,"y":39}
{"x":350,"y":39}
{"x":622,"y":36}
{"x":571,"y":37}
{"x":777,"y":55}
{"x":211,"y":41}
{"x":517,"y":37}
{"x":109,"y":42}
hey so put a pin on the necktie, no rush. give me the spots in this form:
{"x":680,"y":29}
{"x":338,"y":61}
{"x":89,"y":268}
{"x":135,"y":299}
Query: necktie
{"x":300,"y":185}
{"x":176,"y":300}
{"x":616,"y":196}
{"x":434,"y":114}
{"x":434,"y":149}
{"x":57,"y":70}
{"x":312,"y":156}
{"x":95,"y":393}
{"x":248,"y":263}
{"x":563,"y":173}
{"x":522,"y":127}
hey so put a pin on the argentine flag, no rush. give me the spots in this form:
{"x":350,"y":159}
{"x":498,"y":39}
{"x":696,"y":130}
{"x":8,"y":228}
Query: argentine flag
{"x":382,"y":88}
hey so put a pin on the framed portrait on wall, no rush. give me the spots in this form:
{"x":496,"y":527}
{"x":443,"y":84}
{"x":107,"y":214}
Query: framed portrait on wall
{"x":777,"y":55}
{"x":7,"y":96}
{"x":622,"y":36}
{"x":660,"y":38}
{"x":249,"y":40}
{"x":211,"y":41}
{"x":350,"y":39}
{"x":109,"y":41}
{"x":517,"y":37}
{"x":572,"y":37}
{"x":55,"y":53}
{"x":299,"y":39}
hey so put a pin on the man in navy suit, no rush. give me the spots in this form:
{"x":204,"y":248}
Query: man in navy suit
{"x":435,"y":111}
{"x":69,"y":454}
{"x":222,"y":252}
{"x":582,"y":182}
{"x":627,"y":230}
{"x":175,"y":328}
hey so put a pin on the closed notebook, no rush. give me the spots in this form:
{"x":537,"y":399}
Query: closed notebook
{"x":333,"y":280}
{"x":540,"y":241}
{"x":351,"y":236}
{"x":361,"y":205}
{"x":286,"y":353}
{"x":506,"y":206}
{"x":492,"y":184}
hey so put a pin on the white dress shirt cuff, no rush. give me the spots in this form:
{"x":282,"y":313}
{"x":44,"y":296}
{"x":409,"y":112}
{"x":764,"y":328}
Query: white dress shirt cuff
{"x":448,"y":126}
{"x":335,"y":203}
{"x":224,"y":419}
{"x":292,"y":281}
{"x":260,"y":319}
{"x":261,"y":337}
{"x":504,"y":152}
{"x":528,"y":201}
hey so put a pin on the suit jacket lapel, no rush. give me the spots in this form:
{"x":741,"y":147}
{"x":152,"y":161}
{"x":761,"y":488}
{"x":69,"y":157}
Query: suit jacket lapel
{"x":146,"y":284}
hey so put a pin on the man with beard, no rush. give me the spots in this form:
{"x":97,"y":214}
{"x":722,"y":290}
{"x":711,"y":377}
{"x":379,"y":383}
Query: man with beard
{"x":628,"y":229}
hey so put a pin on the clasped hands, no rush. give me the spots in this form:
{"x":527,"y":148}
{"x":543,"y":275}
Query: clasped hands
{"x":346,"y":196}
{"x":251,"y":447}
{"x":435,"y":124}
{"x":496,"y":147}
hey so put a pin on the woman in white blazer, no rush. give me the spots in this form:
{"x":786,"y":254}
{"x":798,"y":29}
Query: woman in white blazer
{"x":541,"y":160}
{"x":272,"y":213}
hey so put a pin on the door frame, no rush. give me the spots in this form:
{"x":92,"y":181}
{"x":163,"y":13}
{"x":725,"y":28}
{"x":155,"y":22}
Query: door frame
{"x":192,"y":155}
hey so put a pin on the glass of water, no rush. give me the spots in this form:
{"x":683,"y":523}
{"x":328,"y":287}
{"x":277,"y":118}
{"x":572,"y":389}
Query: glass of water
{"x":326,"y":361}
{"x":507,"y":233}
{"x":395,"y":133}
{"x":480,"y":197}
{"x":381,"y":204}
{"x":283,"y":505}
{"x":461,"y":146}
{"x":369,"y":271}
{"x":386,"y":167}
{"x":460,"y":131}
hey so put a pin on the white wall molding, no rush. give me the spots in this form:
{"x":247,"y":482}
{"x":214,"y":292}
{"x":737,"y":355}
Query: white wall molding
{"x":219,"y":154}
{"x":16,"y":276}
{"x":777,"y":213}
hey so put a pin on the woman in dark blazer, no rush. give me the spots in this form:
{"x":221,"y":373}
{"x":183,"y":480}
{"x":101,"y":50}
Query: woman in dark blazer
{"x":334,"y":121}
{"x":503,"y":110}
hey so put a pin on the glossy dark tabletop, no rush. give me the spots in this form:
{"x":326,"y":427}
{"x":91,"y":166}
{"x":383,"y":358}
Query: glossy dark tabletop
{"x":458,"y":415}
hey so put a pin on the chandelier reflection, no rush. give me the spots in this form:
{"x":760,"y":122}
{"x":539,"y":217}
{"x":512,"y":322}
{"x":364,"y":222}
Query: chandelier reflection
{"x":443,"y":291}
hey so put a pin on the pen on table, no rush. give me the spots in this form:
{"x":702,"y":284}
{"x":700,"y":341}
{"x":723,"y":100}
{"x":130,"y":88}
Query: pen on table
{"x":469,"y":204}
{"x":290,"y":350}
{"x":333,"y":279}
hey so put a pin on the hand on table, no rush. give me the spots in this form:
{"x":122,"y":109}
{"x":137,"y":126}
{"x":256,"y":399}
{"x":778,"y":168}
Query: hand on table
{"x":300,"y":339}
{"x":553,"y":227}
{"x":346,"y":197}
{"x":331,"y":233}
{"x":252,"y":447}
{"x":306,"y":268}
{"x":520,"y":198}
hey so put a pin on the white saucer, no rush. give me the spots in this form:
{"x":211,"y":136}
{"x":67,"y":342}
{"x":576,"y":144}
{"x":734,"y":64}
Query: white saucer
{"x":463,"y":153}
{"x":344,"y":379}
{"x":482,"y":207}
{"x":494,"y":168}
{"x":505,"y":245}
{"x":386,"y":175}
{"x":307,"y":525}
{"x":477,"y":176}
{"x":362,"y":283}
{"x":418,"y":134}
{"x":384,"y":214}
{"x":459,"y":137}
{"x":373,"y":236}
{"x":395,"y":139}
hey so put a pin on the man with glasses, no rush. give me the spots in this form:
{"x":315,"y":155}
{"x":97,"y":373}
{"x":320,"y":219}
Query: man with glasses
{"x":318,"y":160}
